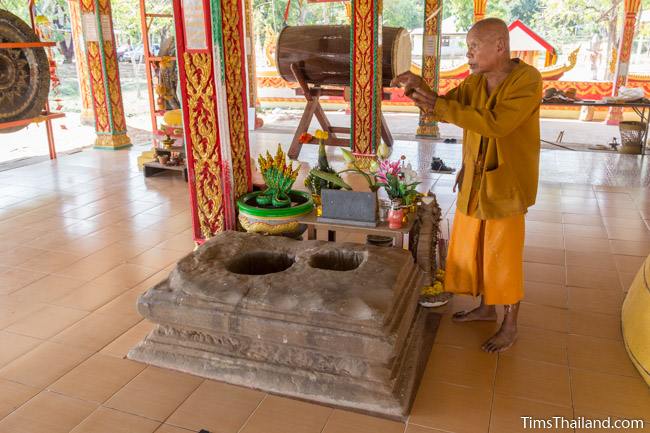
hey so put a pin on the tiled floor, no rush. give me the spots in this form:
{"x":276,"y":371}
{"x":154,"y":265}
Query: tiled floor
{"x":82,"y":237}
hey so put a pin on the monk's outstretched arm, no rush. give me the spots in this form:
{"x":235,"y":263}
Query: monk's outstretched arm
{"x":522,"y":98}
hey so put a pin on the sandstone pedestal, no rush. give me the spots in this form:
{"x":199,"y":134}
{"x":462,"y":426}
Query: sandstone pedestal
{"x":337,"y":324}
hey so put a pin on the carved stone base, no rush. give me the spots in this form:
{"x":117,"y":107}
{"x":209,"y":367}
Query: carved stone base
{"x":337,"y":324}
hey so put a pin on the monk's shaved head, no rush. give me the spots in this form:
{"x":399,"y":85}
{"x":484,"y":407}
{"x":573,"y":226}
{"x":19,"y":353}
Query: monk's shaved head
{"x":492,"y":30}
{"x":488,"y":45}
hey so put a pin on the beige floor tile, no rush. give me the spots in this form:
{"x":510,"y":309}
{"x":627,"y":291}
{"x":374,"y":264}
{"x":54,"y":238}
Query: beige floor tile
{"x":17,"y":255}
{"x":458,"y":366}
{"x":445,"y":407}
{"x":533,"y":380}
{"x":51,"y":262}
{"x":90,"y":296}
{"x":540,"y":215}
{"x":125,"y":304}
{"x":46,"y":322}
{"x":555,"y":241}
{"x":628,"y":263}
{"x":166,"y":428}
{"x":469,"y":335}
{"x":554,"y":295}
{"x":155,"y":393}
{"x":630,"y":248}
{"x":595,"y":301}
{"x":544,"y":227}
{"x":88,"y":268}
{"x":348,"y":422}
{"x":507,"y":413}
{"x":44,"y":364}
{"x":584,"y":220}
{"x":125,"y":342}
{"x":216,"y":407}
{"x":97,"y":378}
{"x":412,"y":428}
{"x":13,"y":395}
{"x":544,"y":337}
{"x":126,"y":275}
{"x":541,"y":345}
{"x":595,"y":324}
{"x":625,"y":223}
{"x":626,"y":279}
{"x":619,"y":213}
{"x":587,"y":231}
{"x":12,"y":279}
{"x":586,"y":244}
{"x":544,"y":273}
{"x":626,"y":397}
{"x":542,"y":316}
{"x":46,"y":289}
{"x":157,"y":258}
{"x":105,"y":420}
{"x":549,"y":256}
{"x":611,"y":356}
{"x":182,"y":242}
{"x":593,"y":278}
{"x":95,"y":331}
{"x":603,"y":261}
{"x":11,"y":310}
{"x":628,"y":234}
{"x":280,"y":415}
{"x":47,"y":413}
{"x":14,"y":345}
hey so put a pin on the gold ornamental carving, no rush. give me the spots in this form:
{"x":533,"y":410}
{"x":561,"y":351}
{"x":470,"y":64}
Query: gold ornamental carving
{"x":202,"y":122}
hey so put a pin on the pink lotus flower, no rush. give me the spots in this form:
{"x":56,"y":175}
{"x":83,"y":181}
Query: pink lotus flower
{"x":387,"y":167}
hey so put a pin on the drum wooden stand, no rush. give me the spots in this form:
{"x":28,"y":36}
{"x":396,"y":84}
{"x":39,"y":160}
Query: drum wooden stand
{"x":314,"y":108}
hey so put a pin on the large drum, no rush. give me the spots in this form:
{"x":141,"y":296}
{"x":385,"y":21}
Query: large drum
{"x":323,"y":53}
{"x":24,"y":73}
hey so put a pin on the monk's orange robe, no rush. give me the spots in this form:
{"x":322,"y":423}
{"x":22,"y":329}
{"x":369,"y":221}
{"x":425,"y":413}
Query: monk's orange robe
{"x":497,"y":183}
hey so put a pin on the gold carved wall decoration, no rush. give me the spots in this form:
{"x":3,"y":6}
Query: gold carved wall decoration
{"x":236,"y":95}
{"x":202,"y":121}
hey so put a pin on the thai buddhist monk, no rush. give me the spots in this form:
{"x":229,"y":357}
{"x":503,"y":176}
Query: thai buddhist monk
{"x":497,"y":106}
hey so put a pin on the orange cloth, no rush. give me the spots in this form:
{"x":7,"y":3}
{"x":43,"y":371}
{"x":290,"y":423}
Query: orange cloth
{"x":486,"y":257}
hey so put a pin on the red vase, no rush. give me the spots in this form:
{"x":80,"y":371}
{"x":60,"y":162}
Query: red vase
{"x":395,"y":218}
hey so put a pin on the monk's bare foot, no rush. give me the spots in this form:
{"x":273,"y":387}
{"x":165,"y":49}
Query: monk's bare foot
{"x":501,"y":341}
{"x":507,"y":333}
{"x":482,"y":312}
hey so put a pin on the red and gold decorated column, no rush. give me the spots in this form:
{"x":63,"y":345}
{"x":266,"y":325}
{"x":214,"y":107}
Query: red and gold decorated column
{"x":480,"y":6}
{"x":428,"y":127}
{"x":110,"y":124}
{"x":81,"y":62}
{"x":366,"y":84}
{"x":214,"y":112}
{"x":229,"y":40}
{"x":615,"y":114}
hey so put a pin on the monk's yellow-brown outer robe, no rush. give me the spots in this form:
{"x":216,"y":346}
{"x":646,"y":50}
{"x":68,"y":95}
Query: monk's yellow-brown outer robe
{"x":497,"y":184}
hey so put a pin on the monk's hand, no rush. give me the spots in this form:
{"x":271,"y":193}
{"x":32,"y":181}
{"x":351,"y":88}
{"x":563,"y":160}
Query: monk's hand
{"x":410,"y":82}
{"x":425,"y":99}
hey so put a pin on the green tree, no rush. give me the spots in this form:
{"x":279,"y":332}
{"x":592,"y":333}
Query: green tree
{"x":404,"y":13}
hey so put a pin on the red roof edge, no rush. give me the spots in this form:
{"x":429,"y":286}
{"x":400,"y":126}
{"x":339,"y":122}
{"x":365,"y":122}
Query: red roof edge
{"x":532,"y":34}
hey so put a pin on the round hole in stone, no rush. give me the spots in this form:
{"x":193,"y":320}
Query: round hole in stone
{"x":260,"y":263}
{"x":336,"y":260}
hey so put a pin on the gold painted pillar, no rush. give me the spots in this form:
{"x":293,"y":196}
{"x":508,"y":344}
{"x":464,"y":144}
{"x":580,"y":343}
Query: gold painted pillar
{"x":615,"y":114}
{"x":480,"y":7}
{"x":99,"y":41}
{"x":81,"y":62}
{"x":212,"y":74}
{"x":428,"y":127}
{"x":366,"y":81}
